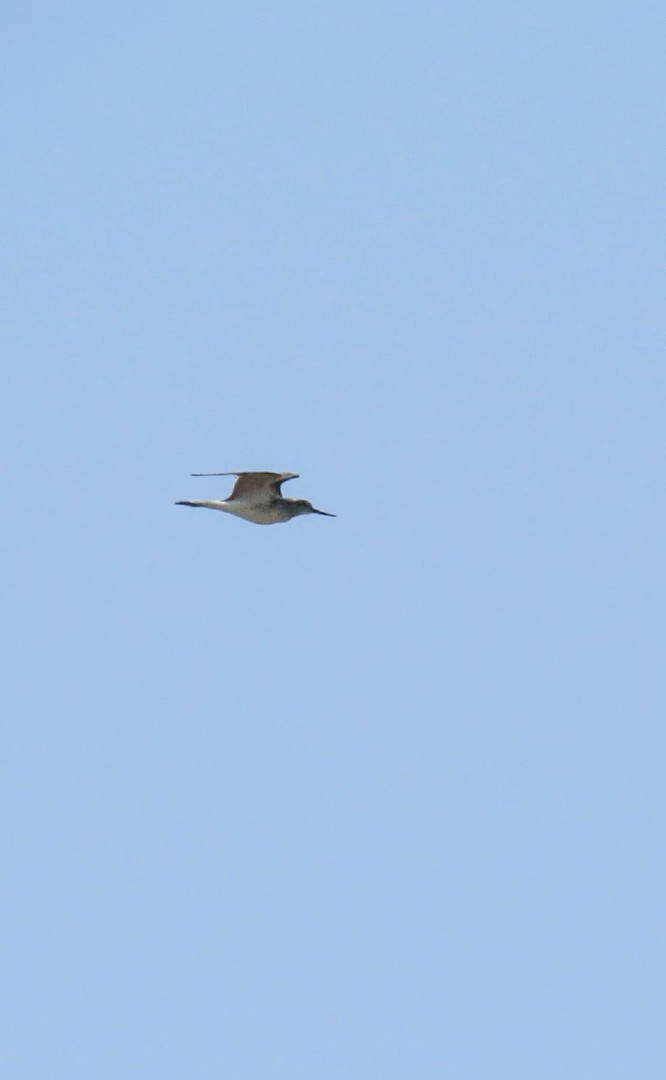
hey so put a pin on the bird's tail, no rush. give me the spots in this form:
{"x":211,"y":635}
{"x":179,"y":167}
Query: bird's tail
{"x":207,"y":504}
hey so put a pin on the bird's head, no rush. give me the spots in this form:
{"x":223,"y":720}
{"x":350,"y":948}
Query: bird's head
{"x":302,"y":506}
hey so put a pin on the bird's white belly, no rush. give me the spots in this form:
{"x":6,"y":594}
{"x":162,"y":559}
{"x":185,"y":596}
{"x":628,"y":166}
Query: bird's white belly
{"x":260,"y":515}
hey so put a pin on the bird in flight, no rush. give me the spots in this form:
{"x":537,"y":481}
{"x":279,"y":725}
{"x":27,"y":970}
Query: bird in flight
{"x":257,"y":497}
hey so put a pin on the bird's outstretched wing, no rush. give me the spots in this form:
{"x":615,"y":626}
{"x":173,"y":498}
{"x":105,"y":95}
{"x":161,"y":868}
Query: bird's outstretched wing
{"x":255,"y":486}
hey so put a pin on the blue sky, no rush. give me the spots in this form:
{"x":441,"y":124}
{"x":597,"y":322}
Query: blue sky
{"x":379,"y":796}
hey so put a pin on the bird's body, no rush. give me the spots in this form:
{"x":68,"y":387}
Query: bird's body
{"x":257,"y":497}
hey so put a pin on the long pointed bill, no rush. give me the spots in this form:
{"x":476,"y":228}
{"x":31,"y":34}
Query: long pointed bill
{"x":323,"y":513}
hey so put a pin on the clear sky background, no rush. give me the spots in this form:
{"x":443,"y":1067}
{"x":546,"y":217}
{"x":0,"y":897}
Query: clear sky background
{"x":379,"y":796}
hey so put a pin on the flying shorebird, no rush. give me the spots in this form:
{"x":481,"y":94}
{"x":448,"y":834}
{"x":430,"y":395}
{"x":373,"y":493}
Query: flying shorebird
{"x":256,"y":496}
